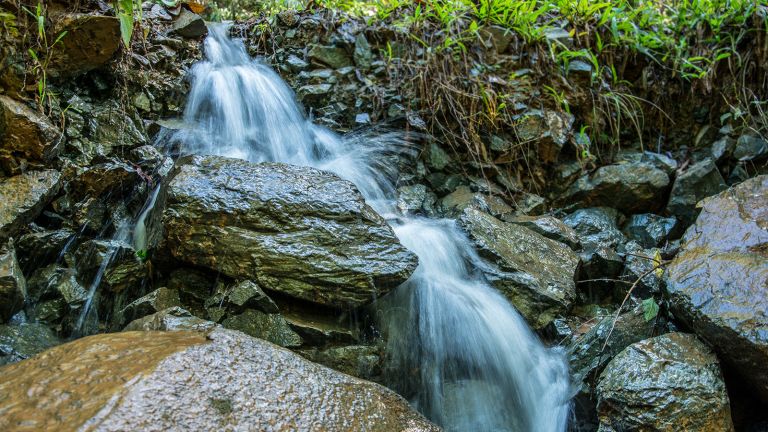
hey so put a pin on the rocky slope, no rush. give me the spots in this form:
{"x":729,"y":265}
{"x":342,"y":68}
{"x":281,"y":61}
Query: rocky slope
{"x":611,"y":261}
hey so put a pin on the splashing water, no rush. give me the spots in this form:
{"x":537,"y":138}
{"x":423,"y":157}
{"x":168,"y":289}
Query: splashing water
{"x":459,"y":350}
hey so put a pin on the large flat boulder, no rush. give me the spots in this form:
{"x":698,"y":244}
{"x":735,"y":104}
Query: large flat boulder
{"x":297,"y":230}
{"x":535,"y":273}
{"x":23,"y":197}
{"x":224,"y":380}
{"x":90,"y":42}
{"x":671,"y":382}
{"x":26,"y":136}
{"x":718,"y":283}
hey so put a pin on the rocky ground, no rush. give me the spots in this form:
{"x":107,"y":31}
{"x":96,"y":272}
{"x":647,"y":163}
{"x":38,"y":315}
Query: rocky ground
{"x":649,"y":269}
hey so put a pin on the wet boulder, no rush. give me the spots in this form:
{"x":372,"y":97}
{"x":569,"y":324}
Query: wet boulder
{"x":548,"y":130}
{"x":296,"y":230}
{"x":331,"y":56}
{"x":23,"y":197}
{"x":13,"y":285}
{"x":26,"y":136}
{"x":157,"y":300}
{"x":596,"y":227}
{"x":696,"y":183}
{"x":22,"y":341}
{"x":171,"y":319}
{"x":131,"y":381}
{"x":38,"y":248}
{"x":670,"y":382}
{"x":628,"y":187}
{"x":189,"y":25}
{"x":550,"y":227}
{"x":270,"y":327}
{"x":535,"y":273}
{"x":641,"y":269}
{"x":362,"y":361}
{"x":718,"y":283}
{"x":649,"y":230}
{"x":90,"y":42}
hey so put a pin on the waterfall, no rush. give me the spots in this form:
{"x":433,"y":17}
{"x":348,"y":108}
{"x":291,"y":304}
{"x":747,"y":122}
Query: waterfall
{"x":462,"y":354}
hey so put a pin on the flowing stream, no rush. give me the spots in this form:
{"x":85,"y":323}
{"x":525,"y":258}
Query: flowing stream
{"x":457,"y":349}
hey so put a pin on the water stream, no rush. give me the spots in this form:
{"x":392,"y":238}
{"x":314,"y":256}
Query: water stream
{"x":458,"y":350}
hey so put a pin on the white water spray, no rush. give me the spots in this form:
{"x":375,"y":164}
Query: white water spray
{"x":459,"y":350}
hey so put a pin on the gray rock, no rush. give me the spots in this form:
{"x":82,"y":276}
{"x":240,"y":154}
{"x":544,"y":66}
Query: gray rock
{"x":25,"y":136}
{"x":649,"y":230}
{"x":750,"y":147}
{"x":535,"y":273}
{"x":547,"y":130}
{"x":189,"y":25}
{"x":56,"y":282}
{"x":627,"y":187}
{"x":696,"y":183}
{"x":639,"y":269}
{"x":170,"y":319}
{"x":228,"y":380}
{"x":454,"y":204}
{"x":91,"y":42}
{"x":550,"y":227}
{"x":320,"y":329}
{"x":270,"y":327}
{"x":262,"y":222}
{"x":362,"y":55}
{"x":361,"y":361}
{"x":157,"y":300}
{"x":657,"y":160}
{"x":416,"y":199}
{"x":600,"y":267}
{"x":664,"y":383}
{"x":579,"y":69}
{"x":589,"y":354}
{"x":22,"y":341}
{"x":718,"y":283}
{"x":596,"y":227}
{"x":496,"y":37}
{"x":245,"y":294}
{"x":295,"y":64}
{"x":722,"y":149}
{"x":40,"y":248}
{"x":23,"y":197}
{"x":530,"y":205}
{"x":111,"y":177}
{"x":437,"y":158}
{"x":331,"y":56}
{"x":13,"y":286}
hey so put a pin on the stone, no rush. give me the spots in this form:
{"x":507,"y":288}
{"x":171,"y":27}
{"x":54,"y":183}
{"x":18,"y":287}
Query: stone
{"x":228,"y":381}
{"x":114,"y":127}
{"x":189,"y":25}
{"x":126,"y":275}
{"x":579,"y":69}
{"x":112,"y":177}
{"x":550,"y":227}
{"x":657,"y":160}
{"x":530,"y":205}
{"x":13,"y":285}
{"x":90,"y":43}
{"x":496,"y":37}
{"x":171,"y":319}
{"x":25,"y":136}
{"x":313,"y":92}
{"x":649,"y":230}
{"x":362,"y":55}
{"x":22,"y":341}
{"x":600,"y":267}
{"x":416,"y":199}
{"x":295,"y":64}
{"x":722,"y":149}
{"x":547,"y":130}
{"x":56,"y":282}
{"x":318,"y":328}
{"x":270,"y":327}
{"x":245,"y":294}
{"x":696,"y":183}
{"x":664,"y":383}
{"x":627,"y":187}
{"x":157,"y":300}
{"x":718,"y":283}
{"x":589,"y":354}
{"x":750,"y":147}
{"x":40,"y":248}
{"x":438,"y":159}
{"x":535,"y":273}
{"x":596,"y":227}
{"x":331,"y":56}
{"x":299,"y":231}
{"x":454,"y":204}
{"x":361,"y":361}
{"x":639,"y":268}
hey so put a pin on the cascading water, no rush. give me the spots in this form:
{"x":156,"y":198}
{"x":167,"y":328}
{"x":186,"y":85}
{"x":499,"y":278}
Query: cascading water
{"x":462,"y":353}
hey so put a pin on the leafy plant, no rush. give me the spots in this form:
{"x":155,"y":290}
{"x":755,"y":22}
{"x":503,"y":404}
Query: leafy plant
{"x":650,"y":309}
{"x":41,"y":53}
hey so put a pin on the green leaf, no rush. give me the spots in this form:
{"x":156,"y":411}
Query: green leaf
{"x":650,"y":309}
{"x":125,"y":14}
